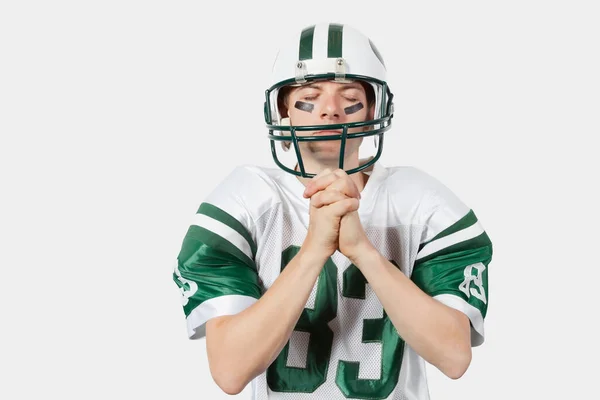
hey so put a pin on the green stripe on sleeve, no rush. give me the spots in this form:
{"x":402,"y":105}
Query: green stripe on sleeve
{"x":481,"y":241}
{"x":445,"y":274}
{"x":215,"y":267}
{"x":216,"y":213}
{"x":211,"y":241}
{"x":466,"y":221}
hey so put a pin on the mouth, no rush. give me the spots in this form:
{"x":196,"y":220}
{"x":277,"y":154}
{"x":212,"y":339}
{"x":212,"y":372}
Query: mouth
{"x":327,"y":133}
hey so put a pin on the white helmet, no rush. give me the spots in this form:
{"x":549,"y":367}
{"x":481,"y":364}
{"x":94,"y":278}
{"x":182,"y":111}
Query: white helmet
{"x":327,"y":51}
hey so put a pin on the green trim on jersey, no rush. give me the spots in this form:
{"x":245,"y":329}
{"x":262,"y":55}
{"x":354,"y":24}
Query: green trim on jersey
{"x":207,"y":241}
{"x":215,"y":212}
{"x":481,"y":241}
{"x":212,"y":267}
{"x":334,"y":40}
{"x":466,"y":221}
{"x":449,"y":270}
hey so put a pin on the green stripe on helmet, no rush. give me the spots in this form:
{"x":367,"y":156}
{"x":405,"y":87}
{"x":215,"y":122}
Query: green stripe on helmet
{"x":334,"y":41}
{"x":306,"y":43}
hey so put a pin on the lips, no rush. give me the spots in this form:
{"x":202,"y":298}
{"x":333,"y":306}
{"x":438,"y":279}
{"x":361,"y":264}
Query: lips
{"x":326,"y":133}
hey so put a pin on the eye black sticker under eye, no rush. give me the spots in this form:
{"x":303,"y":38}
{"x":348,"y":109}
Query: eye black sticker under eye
{"x":300,"y":105}
{"x":352,"y":109}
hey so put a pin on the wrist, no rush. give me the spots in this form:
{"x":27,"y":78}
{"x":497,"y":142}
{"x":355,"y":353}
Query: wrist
{"x":312,"y":256}
{"x":364,"y":255}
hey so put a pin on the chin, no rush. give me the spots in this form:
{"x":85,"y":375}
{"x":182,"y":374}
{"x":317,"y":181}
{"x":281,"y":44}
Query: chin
{"x":326,"y":152}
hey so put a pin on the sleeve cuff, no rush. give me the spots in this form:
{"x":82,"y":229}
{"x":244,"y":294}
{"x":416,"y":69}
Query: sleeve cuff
{"x":456,"y":302}
{"x":215,"y":307}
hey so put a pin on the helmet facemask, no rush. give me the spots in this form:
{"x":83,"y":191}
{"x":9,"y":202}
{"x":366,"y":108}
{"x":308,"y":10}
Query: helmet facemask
{"x":289,"y":143}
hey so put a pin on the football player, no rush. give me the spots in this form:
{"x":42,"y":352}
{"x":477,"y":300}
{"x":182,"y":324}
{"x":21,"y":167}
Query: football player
{"x":333,"y":276}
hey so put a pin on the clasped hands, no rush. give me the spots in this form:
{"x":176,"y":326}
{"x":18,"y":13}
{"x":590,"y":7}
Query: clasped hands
{"x":334,"y":221}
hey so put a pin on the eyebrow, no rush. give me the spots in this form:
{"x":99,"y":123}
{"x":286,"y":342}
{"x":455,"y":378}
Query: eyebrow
{"x":345,"y":86}
{"x":310,"y":86}
{"x":349,"y":86}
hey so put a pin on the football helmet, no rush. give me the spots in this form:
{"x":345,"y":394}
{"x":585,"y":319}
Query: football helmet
{"x":327,"y":51}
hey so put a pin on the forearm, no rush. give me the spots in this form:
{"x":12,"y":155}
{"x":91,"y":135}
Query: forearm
{"x":438,"y":333}
{"x":242,"y":346}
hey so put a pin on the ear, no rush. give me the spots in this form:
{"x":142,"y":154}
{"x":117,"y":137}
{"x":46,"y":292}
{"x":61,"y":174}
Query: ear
{"x":371,"y":112}
{"x":283,"y":109}
{"x":282,"y":101}
{"x":370,"y":116}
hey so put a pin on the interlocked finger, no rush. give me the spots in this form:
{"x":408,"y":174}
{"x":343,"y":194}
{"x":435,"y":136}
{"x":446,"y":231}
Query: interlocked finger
{"x":326,"y":197}
{"x":337,"y":179}
{"x":319,"y":182}
{"x":346,"y":186}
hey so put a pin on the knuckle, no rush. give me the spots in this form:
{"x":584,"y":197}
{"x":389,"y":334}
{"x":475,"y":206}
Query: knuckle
{"x":341,"y":173}
{"x":314,"y":200}
{"x":344,"y":186}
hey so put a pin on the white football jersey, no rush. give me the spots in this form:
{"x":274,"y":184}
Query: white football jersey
{"x":344,"y":346}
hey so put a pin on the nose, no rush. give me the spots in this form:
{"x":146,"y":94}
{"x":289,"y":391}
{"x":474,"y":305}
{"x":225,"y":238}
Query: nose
{"x":331,"y":108}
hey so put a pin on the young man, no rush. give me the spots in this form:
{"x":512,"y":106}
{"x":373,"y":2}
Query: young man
{"x":335,"y":277}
